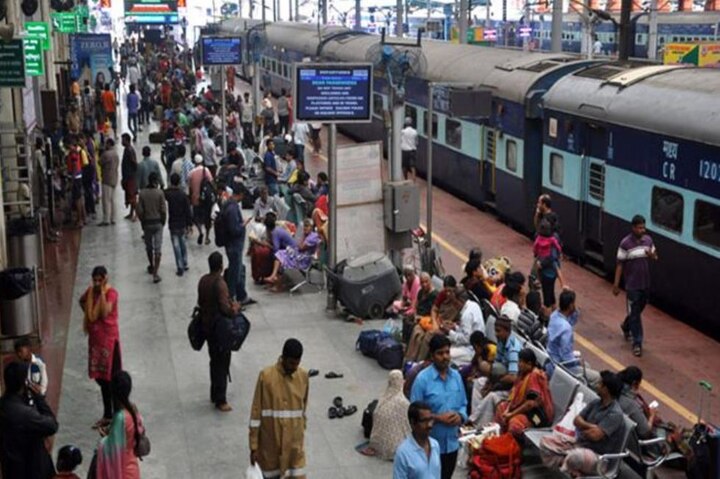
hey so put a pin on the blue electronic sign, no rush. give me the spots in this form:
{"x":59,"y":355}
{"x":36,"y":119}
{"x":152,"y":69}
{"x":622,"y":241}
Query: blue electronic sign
{"x":333,"y":92}
{"x":221,"y":51}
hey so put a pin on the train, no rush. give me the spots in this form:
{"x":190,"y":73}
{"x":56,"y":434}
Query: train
{"x":606,"y":139}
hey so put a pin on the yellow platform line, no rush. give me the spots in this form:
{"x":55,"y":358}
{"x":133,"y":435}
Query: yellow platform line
{"x":590,"y":346}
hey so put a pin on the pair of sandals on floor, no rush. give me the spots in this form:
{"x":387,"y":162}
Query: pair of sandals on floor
{"x":337,"y":410}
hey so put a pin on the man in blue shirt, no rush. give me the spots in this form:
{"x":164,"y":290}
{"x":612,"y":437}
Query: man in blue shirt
{"x":133,"y":106}
{"x":231,"y":215}
{"x":418,"y":456}
{"x":443,"y":390}
{"x":271,"y":169}
{"x":561,"y":339}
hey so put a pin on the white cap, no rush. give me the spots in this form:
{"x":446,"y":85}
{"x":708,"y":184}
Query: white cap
{"x":198,"y":159}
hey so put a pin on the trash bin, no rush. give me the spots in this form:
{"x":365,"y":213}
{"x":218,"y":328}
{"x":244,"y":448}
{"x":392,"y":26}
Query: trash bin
{"x":365,"y":285}
{"x":17,"y":307}
{"x":23,"y":243}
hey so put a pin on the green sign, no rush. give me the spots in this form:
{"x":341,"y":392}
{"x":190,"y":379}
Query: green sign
{"x":34,"y":64}
{"x":40,"y":30}
{"x":12,"y":64}
{"x":82,"y":11}
{"x":64,"y":22}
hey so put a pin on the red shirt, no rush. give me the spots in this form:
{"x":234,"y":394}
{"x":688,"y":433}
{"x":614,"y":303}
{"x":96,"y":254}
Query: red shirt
{"x":74,"y":162}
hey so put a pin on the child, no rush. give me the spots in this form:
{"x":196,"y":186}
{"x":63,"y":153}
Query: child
{"x":37,"y":372}
{"x":69,"y":457}
{"x":547,"y":252}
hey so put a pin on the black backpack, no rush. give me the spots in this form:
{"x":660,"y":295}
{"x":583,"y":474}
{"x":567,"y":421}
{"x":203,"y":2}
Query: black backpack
{"x":221,"y":235}
{"x":208,"y":195}
{"x":230,"y":332}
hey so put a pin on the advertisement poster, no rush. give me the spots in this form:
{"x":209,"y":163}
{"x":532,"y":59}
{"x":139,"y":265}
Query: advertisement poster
{"x":91,"y":58}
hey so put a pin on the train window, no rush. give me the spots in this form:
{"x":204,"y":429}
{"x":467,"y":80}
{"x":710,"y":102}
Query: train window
{"x":596,"y":188}
{"x":434,"y":125}
{"x":661,"y":39}
{"x":286,"y":70}
{"x":706,"y":228}
{"x":666,"y":209}
{"x":453,"y":133}
{"x":411,"y":112}
{"x":378,"y":105}
{"x":556,"y":169}
{"x":511,"y":155}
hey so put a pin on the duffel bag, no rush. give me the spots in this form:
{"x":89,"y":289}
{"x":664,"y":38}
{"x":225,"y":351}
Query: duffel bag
{"x":230,"y":332}
{"x":499,"y":458}
{"x":390,"y":354}
{"x":195,"y":330}
{"x":156,"y":137}
{"x":367,"y":342}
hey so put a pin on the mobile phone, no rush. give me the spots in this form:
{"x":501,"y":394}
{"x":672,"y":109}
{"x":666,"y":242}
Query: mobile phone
{"x":653,"y":405}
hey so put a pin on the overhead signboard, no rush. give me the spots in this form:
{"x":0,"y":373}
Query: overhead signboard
{"x":333,"y":93}
{"x":34,"y":64}
{"x":64,"y":22}
{"x":151,"y":11}
{"x":40,"y":30}
{"x":221,"y":51}
{"x":91,"y":58}
{"x":12,"y":64}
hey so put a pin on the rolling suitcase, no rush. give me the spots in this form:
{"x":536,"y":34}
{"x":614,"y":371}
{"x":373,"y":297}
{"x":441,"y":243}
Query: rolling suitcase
{"x":704,"y":442}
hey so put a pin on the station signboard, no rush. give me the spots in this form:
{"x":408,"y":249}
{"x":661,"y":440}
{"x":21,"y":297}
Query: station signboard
{"x":333,"y":92}
{"x":12,"y":64}
{"x":39,"y":30}
{"x":221,"y":51}
{"x":151,"y":11}
{"x":34,"y":64}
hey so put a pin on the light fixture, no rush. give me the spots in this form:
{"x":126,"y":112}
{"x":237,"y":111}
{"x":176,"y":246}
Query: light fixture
{"x":29,"y":7}
{"x":7,"y":31}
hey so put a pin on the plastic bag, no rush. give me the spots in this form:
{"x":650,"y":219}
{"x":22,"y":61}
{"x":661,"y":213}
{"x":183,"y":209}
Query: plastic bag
{"x":253,"y":472}
{"x":565,"y":429}
{"x":393,"y":327}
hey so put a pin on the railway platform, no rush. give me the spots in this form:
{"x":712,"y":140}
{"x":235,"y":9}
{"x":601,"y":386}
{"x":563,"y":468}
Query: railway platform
{"x":192,"y":440}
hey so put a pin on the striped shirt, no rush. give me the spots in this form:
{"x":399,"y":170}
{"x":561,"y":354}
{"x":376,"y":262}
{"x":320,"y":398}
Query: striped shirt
{"x":634,"y":254}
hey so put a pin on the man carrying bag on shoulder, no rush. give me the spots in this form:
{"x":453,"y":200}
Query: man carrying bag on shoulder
{"x":215,"y":305}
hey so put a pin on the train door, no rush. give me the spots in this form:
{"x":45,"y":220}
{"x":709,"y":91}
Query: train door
{"x":487,"y":174}
{"x":593,"y":196}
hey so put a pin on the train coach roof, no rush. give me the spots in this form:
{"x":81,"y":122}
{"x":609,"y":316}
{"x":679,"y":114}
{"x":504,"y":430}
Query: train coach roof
{"x":679,"y":102}
{"x":509,"y":73}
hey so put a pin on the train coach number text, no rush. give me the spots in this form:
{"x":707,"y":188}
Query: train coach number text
{"x":709,"y":170}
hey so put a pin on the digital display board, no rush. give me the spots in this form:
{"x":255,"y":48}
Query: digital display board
{"x":333,"y":93}
{"x":151,"y":11}
{"x":221,"y":51}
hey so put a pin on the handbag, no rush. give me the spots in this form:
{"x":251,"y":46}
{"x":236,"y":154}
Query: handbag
{"x":142,"y":443}
{"x":230,"y":332}
{"x":195,"y":332}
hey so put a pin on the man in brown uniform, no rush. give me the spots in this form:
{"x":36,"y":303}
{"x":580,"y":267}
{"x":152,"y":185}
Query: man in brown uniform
{"x":214,"y":299}
{"x":277,"y":417}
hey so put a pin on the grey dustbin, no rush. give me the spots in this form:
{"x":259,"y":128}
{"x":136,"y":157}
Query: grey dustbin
{"x":16,"y":302}
{"x":23,"y":243}
{"x":366,"y":285}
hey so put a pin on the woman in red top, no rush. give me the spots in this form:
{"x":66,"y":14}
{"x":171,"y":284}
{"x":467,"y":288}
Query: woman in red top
{"x":100,"y":305}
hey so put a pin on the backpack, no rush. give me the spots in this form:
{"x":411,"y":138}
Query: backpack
{"x":390,"y":354}
{"x":367,"y":342}
{"x":367,"y":418}
{"x":499,"y":458}
{"x":208,"y":196}
{"x":230,"y":332}
{"x":221,"y":229}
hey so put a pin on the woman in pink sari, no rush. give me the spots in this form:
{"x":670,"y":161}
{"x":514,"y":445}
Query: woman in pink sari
{"x":116,"y":457}
{"x":529,"y":404}
{"x":100,"y":305}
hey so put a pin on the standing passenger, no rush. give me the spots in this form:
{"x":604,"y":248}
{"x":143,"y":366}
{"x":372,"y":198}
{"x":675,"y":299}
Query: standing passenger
{"x":277,"y":417}
{"x":632,"y":264}
{"x":418,"y":456}
{"x":408,"y":145}
{"x":214,"y":300}
{"x":109,"y":162}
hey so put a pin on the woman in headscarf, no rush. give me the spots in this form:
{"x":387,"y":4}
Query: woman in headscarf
{"x":529,"y":403}
{"x":390,"y":421}
{"x":100,"y":305}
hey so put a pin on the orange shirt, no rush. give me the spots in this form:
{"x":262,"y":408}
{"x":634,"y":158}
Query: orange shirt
{"x":108,"y":101}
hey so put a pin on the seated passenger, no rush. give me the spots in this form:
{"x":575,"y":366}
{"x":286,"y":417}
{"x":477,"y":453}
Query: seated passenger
{"x":501,"y":374}
{"x":265,"y":203}
{"x":262,"y":250}
{"x":529,"y":403}
{"x":561,"y":340}
{"x":445,"y":309}
{"x":409,"y":293}
{"x":635,"y":407}
{"x":471,"y":320}
{"x":390,"y":422}
{"x":485,"y":351}
{"x":294,"y":255}
{"x":600,"y":427}
{"x":513,"y":293}
{"x":475,"y":279}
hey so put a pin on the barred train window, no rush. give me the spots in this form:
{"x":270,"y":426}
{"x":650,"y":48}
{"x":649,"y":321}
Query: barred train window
{"x":378,"y":105}
{"x":511,"y":155}
{"x":453,"y":133}
{"x":411,"y":112}
{"x":666,"y":209}
{"x":556,"y":169}
{"x":434,"y":125}
{"x":706,"y":227}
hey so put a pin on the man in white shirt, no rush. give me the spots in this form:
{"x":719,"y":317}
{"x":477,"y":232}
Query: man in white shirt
{"x":300,"y":132}
{"x":597,"y":46}
{"x":471,"y":320}
{"x":408,"y":145}
{"x":37,"y":372}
